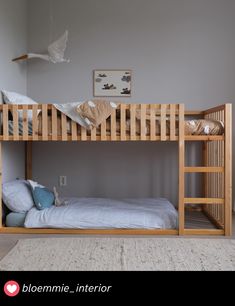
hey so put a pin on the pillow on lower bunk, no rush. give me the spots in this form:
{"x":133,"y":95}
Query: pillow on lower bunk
{"x":43,"y":197}
{"x":17,"y":196}
{"x":15,"y":219}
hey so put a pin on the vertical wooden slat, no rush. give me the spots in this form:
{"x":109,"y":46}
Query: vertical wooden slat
{"x":5,"y":122}
{"x":15,"y":122}
{"x":28,"y":160}
{"x":172,"y":122}
{"x":133,"y":121}
{"x":209,"y":174}
{"x":204,"y":158}
{"x":163,"y":122}
{"x":220,"y":175}
{"x":44,"y":122}
{"x":54,"y":124}
{"x":212,"y":174}
{"x":74,"y":131}
{"x":93,"y":134}
{"x":152,"y":122}
{"x":64,"y":127}
{"x":181,"y":170}
{"x":217,"y":174}
{"x":25,"y":123}
{"x":83,"y":134}
{"x":114,"y":125}
{"x":123,"y":122}
{"x":207,"y":177}
{"x":1,"y":203}
{"x":223,"y":161}
{"x":35,"y":122}
{"x":228,"y":169}
{"x":103,"y":131}
{"x":143,"y":121}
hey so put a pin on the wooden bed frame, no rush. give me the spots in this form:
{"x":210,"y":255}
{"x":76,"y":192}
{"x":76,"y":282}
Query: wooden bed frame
{"x":216,"y":203}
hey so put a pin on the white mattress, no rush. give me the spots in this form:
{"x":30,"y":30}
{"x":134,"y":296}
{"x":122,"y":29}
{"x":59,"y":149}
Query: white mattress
{"x":98,"y":213}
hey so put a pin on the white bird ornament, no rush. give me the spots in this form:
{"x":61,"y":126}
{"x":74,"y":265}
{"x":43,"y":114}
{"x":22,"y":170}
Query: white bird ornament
{"x":55,"y":54}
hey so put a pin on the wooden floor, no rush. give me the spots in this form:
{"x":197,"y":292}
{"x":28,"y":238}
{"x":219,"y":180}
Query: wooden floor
{"x":193,"y":220}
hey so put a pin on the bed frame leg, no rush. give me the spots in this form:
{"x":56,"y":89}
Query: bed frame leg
{"x":181,"y":206}
{"x":228,"y":170}
{"x":28,"y":160}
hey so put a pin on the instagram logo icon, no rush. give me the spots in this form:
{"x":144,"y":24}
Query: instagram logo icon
{"x":11,"y":288}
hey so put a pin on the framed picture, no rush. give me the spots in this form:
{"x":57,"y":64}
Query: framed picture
{"x":112,"y":83}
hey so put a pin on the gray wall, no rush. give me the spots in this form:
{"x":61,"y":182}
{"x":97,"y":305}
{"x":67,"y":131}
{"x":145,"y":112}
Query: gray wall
{"x":179,"y":51}
{"x":13,"y":41}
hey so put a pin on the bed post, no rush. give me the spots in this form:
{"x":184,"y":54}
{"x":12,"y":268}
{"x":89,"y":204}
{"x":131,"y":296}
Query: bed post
{"x":28,"y":160}
{"x":228,"y":171}
{"x":1,"y":224}
{"x":181,"y":207}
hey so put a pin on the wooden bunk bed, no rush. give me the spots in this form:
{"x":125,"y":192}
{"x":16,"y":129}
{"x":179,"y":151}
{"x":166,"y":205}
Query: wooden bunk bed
{"x":216,"y":203}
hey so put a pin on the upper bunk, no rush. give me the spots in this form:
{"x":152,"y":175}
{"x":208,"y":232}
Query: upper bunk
{"x":127,"y":122}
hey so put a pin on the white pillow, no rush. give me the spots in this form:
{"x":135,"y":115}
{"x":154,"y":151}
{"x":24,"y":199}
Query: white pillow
{"x":17,"y":196}
{"x":15,"y":98}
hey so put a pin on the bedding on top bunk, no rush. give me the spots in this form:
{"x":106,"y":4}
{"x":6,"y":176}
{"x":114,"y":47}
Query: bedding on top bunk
{"x":91,"y":114}
{"x":192,"y":127}
{"x":99,"y":213}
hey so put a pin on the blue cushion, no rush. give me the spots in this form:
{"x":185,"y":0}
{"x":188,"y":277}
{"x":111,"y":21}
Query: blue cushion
{"x":43,"y":197}
{"x":15,"y":219}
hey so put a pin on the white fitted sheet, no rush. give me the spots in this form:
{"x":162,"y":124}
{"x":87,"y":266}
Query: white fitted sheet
{"x":103,"y":213}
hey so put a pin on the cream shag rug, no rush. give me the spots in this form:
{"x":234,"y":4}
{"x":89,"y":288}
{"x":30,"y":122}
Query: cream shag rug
{"x":120,"y":254}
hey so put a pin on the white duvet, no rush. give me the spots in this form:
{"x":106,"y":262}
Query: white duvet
{"x":98,"y":213}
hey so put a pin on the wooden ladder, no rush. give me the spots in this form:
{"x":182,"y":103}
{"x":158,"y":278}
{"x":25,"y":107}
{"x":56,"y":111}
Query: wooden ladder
{"x":201,"y":201}
{"x":226,"y":169}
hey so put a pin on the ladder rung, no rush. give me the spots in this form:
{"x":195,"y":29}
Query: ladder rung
{"x":203,"y":169}
{"x":204,"y":138}
{"x":203,"y":201}
{"x":206,"y":231}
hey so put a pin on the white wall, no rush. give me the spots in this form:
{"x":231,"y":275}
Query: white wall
{"x":13,"y":41}
{"x":179,"y":51}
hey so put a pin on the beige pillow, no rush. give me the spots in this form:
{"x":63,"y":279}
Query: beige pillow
{"x":96,"y":111}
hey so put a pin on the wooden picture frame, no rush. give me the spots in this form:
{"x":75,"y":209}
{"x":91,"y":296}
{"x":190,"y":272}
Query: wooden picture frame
{"x":112,"y":83}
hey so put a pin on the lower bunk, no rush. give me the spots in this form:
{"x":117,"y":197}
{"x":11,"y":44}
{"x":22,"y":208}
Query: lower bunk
{"x":91,"y":214}
{"x":97,"y":216}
